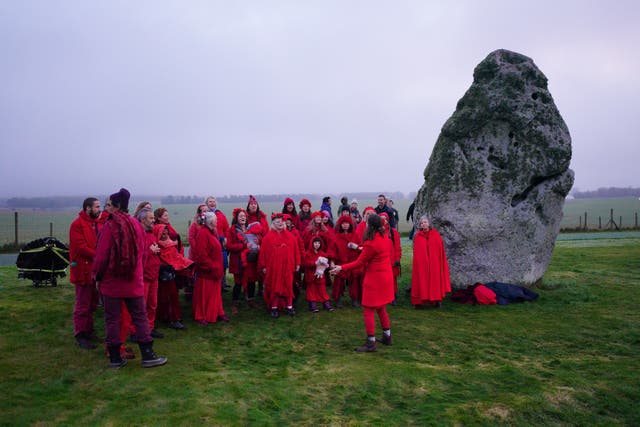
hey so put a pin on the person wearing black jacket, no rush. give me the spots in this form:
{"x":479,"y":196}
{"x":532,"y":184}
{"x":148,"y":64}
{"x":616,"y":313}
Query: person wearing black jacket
{"x":382,"y":207}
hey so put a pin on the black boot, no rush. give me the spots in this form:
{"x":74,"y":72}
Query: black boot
{"x":115,"y":359}
{"x":149,"y":358}
{"x":84,"y":341}
{"x":385,"y":339}
{"x":369,"y":346}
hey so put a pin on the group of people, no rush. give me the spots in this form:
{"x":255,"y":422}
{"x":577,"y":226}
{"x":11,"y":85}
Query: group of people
{"x":136,"y":264}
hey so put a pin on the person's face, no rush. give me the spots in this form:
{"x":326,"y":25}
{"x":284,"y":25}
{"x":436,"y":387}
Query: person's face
{"x":212,"y":203}
{"x":345,"y":213}
{"x":203,"y":209}
{"x":345,"y":226}
{"x":242,"y":218}
{"x":290,"y":207}
{"x":317,"y":220}
{"x":109,"y":207}
{"x":164,"y":218}
{"x":94,"y":210}
{"x":165,"y":234}
{"x":381,"y":201}
{"x":354,"y":205}
{"x":424,"y":224}
{"x":147,"y":221}
{"x":325,"y":219}
{"x":278,"y":224}
{"x":316,"y":245}
{"x":390,"y":203}
{"x":253,"y":207}
{"x":305,"y":208}
{"x":329,"y":202}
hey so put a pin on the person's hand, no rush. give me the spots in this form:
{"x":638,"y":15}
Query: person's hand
{"x":335,"y":270}
{"x":352,"y":245}
{"x":264,"y":271}
{"x":154,"y":248}
{"x":297,"y":268}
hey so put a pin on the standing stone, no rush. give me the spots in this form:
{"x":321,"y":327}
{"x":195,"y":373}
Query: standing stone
{"x":498,"y":175}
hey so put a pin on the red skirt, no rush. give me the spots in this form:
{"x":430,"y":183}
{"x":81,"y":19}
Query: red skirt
{"x":207,"y":300}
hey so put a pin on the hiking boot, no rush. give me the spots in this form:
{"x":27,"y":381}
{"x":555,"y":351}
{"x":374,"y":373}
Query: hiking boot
{"x":356,"y":304}
{"x":339,"y":304}
{"x":116,"y":361}
{"x":223,"y":318}
{"x":385,"y":339}
{"x":313,"y":307}
{"x":149,"y":358}
{"x":291,"y":312}
{"x":327,"y":306}
{"x":83,"y":342}
{"x":369,"y":346}
{"x":176,"y":324}
{"x":275,"y":313}
{"x":156,"y":334}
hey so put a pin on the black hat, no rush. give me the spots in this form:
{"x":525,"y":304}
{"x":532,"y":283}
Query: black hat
{"x":121,"y":199}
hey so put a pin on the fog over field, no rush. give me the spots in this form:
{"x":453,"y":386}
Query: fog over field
{"x":285,"y":97}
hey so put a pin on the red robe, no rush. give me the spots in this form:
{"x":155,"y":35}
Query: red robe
{"x":243,"y":272}
{"x":262,"y":219}
{"x":377,"y":286}
{"x":169,"y":250}
{"x":279,"y":255}
{"x":316,"y":286}
{"x":207,"y":293}
{"x":430,"y":280}
{"x":83,"y":236}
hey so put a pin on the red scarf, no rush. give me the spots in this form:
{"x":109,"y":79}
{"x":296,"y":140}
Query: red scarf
{"x":124,"y":251}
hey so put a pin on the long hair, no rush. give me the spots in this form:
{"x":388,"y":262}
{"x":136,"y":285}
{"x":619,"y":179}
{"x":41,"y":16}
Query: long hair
{"x":141,"y":206}
{"x":374,"y":225}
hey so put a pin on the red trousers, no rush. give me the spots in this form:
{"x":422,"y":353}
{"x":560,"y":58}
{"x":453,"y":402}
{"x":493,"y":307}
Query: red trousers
{"x":370,"y":322}
{"x":168,"y":302}
{"x":84,"y":308}
{"x":151,"y":299}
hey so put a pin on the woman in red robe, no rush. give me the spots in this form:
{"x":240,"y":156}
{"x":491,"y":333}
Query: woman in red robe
{"x":345,"y":250}
{"x":396,"y":251}
{"x":207,"y":294}
{"x":377,"y":287}
{"x":314,"y":262}
{"x":289,"y":208}
{"x":305,"y":215}
{"x":430,"y":279}
{"x":243,"y":259}
{"x":279,"y":258}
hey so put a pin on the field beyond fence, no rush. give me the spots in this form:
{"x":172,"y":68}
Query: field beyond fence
{"x":23,"y":225}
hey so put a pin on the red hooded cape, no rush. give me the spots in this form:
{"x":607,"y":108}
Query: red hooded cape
{"x":430,"y":280}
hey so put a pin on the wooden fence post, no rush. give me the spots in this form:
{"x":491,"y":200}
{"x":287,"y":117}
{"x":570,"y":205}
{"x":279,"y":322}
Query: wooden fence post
{"x":580,"y":226}
{"x":620,"y":224}
{"x":50,"y":229}
{"x":15,"y":221}
{"x":599,"y":222}
{"x":585,"y":221}
{"x":636,"y":221}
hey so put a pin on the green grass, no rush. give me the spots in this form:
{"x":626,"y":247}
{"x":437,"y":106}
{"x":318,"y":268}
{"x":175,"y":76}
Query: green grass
{"x":571,"y":358}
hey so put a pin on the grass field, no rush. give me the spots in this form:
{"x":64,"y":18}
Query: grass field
{"x":570,"y":358}
{"x":36,"y":223}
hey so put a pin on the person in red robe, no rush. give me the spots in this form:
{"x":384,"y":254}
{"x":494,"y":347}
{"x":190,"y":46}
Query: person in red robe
{"x":289,"y":208}
{"x":297,"y":275}
{"x":377,"y":287}
{"x":315,"y":262}
{"x":396,"y":252}
{"x":279,"y":258}
{"x":304,"y":215}
{"x":345,"y":244}
{"x":430,"y":280}
{"x":207,"y":293}
{"x":83,"y":235}
{"x":243,"y":244}
{"x":151,"y":269}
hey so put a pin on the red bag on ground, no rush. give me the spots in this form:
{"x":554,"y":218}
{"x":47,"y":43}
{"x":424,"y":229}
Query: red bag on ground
{"x":484,"y":295}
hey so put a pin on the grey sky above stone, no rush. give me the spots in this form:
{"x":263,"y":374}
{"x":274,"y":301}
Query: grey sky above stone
{"x":217,"y":97}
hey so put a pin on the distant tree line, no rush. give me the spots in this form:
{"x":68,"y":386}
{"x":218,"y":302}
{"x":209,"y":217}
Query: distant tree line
{"x":57,"y":202}
{"x":607,"y":192}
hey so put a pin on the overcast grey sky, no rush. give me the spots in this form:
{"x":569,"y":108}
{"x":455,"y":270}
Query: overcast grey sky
{"x":199,"y":97}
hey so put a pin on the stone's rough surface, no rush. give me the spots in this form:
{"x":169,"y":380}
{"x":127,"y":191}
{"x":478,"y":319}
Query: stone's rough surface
{"x":498,"y":175}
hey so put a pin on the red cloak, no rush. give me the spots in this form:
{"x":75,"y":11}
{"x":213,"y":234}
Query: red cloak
{"x":430,"y":280}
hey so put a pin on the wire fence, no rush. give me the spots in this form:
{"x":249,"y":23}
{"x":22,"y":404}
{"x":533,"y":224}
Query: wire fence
{"x":20,"y":227}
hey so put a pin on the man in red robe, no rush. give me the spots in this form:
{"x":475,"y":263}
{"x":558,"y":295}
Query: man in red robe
{"x":279,"y":258}
{"x":430,"y":279}
{"x":83,"y":235}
